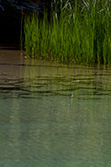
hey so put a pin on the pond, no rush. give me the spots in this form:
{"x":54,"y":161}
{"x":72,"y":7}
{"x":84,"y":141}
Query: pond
{"x":53,"y":115}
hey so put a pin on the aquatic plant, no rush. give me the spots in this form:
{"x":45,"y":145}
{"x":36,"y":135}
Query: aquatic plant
{"x":78,"y":33}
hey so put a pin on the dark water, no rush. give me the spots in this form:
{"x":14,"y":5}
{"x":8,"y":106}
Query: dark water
{"x":54,"y":115}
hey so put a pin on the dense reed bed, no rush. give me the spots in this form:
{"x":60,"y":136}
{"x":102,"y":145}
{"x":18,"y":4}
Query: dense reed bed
{"x":80,"y":33}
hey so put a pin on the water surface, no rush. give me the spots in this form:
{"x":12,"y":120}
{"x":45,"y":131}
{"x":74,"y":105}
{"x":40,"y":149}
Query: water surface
{"x":53,"y":115}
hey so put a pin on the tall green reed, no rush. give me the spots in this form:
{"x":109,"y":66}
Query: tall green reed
{"x":79,"y":33}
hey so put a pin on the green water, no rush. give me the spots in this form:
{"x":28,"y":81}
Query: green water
{"x":55,"y":116}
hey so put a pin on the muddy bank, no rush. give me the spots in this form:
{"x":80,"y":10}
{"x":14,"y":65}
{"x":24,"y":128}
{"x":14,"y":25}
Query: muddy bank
{"x":10,"y":63}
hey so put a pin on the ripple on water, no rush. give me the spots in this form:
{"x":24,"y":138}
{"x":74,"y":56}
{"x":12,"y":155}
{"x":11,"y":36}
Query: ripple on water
{"x":55,"y":116}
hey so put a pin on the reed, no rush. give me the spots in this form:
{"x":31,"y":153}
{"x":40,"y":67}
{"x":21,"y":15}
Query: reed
{"x":79,"y":34}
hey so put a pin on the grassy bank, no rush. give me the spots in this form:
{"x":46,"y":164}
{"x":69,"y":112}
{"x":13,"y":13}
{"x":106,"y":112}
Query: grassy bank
{"x":80,"y":34}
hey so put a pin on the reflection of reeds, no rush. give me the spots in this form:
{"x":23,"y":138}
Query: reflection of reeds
{"x":80,"y":34}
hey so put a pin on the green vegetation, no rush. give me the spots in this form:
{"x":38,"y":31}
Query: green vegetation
{"x":79,"y":34}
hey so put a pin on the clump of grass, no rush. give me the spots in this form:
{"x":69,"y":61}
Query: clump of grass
{"x":80,"y":33}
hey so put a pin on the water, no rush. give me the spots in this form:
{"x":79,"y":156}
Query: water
{"x":53,"y":115}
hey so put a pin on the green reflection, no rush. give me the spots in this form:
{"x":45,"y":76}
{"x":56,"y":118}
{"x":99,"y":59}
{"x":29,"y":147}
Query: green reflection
{"x":45,"y":126}
{"x":57,"y":131}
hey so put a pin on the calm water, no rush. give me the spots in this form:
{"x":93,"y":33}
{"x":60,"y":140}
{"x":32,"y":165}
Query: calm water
{"x":54,"y":115}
